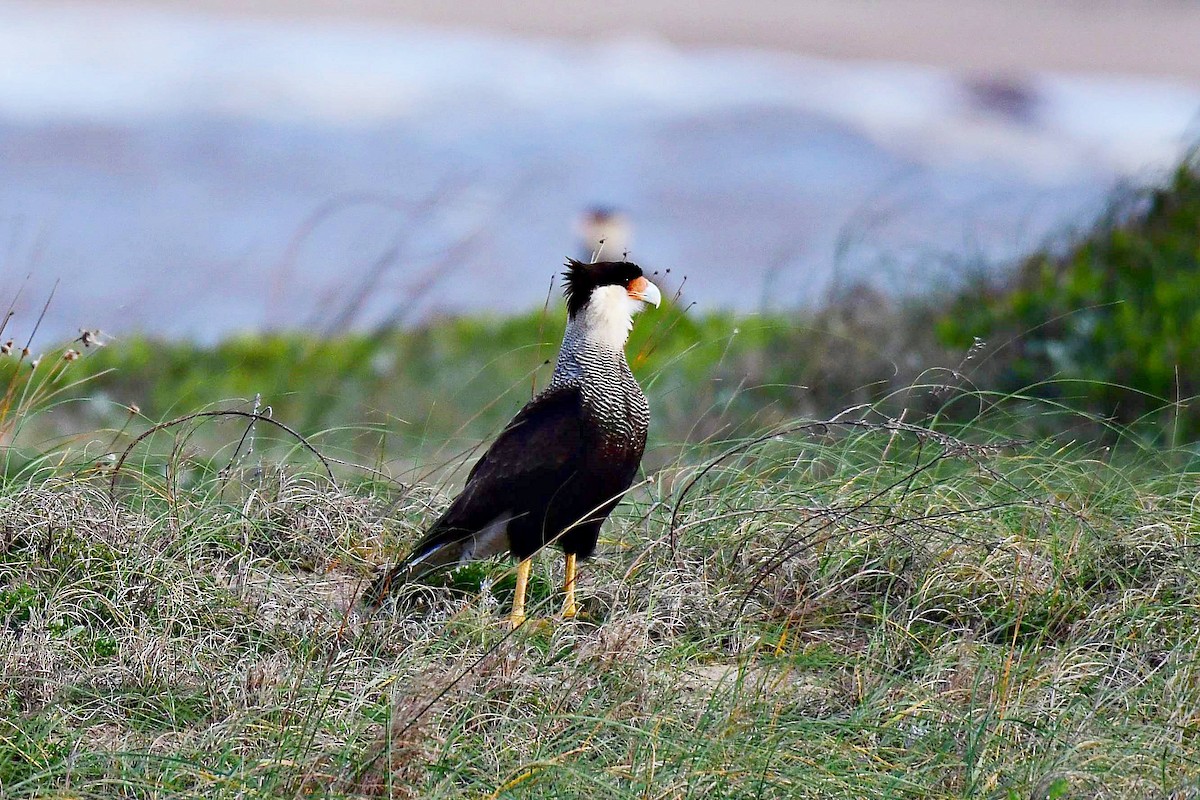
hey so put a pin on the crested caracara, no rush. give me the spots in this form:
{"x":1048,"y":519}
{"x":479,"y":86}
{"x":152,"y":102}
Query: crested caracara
{"x":560,"y":467}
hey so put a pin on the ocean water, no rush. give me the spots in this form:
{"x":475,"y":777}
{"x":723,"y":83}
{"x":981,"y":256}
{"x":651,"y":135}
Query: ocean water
{"x":195,"y":176}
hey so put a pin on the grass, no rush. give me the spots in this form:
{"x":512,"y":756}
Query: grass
{"x":425,"y":395}
{"x":847,"y":609}
{"x":1000,"y":601}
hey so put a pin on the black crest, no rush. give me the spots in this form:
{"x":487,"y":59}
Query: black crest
{"x":580,"y":279}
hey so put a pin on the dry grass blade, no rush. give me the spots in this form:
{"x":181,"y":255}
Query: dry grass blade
{"x":255,"y":417}
{"x":869,"y":615}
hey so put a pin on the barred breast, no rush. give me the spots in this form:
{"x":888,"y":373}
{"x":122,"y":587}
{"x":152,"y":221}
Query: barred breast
{"x":613,"y":400}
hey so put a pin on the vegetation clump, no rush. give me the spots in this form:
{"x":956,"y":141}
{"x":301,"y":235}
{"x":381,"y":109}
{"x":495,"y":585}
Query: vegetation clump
{"x":854,"y":608}
{"x":1111,"y":326}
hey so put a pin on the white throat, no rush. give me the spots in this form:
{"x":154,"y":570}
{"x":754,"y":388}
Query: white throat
{"x":606,"y":319}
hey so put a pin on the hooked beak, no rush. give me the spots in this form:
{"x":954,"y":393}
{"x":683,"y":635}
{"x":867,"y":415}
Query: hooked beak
{"x":644,"y":290}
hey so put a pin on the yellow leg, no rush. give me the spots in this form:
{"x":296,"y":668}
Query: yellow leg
{"x":569,"y":610}
{"x":518,"y":608}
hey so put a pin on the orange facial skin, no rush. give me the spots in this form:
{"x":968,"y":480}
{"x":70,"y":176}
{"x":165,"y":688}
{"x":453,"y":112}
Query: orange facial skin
{"x":637,"y":288}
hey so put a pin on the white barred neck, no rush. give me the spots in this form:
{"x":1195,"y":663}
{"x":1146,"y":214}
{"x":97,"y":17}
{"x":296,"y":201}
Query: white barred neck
{"x":604,"y":323}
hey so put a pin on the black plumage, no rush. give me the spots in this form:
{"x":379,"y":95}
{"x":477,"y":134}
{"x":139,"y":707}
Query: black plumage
{"x":558,"y":469}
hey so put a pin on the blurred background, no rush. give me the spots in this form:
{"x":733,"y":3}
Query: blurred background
{"x":353,"y":213}
{"x":196,"y":169}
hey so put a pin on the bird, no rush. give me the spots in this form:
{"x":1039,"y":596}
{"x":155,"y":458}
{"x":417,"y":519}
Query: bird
{"x":602,"y":230}
{"x":559,"y":468}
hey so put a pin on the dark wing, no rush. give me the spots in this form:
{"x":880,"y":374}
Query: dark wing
{"x":537,"y":452}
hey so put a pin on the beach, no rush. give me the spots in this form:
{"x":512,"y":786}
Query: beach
{"x":1017,"y":37}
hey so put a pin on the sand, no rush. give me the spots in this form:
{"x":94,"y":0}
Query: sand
{"x":1011,"y":37}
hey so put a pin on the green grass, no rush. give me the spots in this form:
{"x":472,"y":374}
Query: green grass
{"x":1114,"y":317}
{"x":861,"y":610}
{"x":427,"y":395}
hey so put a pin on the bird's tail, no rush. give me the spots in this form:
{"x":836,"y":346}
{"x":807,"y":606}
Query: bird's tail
{"x":419,"y":564}
{"x":386,"y":581}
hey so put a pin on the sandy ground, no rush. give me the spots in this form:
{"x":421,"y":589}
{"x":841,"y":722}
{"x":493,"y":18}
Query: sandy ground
{"x":1140,"y":37}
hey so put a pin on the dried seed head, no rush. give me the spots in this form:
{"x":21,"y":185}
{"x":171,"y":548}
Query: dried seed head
{"x":7,"y":347}
{"x":976,"y":345}
{"x":90,"y":338}
{"x":24,"y":352}
{"x":70,"y":355}
{"x":133,"y":409}
{"x":33,"y":364}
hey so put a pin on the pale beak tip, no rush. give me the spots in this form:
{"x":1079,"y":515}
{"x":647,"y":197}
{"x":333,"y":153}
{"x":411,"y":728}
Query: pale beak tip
{"x":651,"y":295}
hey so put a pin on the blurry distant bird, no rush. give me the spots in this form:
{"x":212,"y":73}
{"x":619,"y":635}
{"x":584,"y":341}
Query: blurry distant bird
{"x":603,"y":234}
{"x":1012,"y":99}
{"x":560,"y":467}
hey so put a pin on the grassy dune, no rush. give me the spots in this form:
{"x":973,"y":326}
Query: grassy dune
{"x":861,"y":609}
{"x":999,"y":599}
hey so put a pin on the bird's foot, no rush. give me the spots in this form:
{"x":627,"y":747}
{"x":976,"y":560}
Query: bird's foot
{"x":516,"y":620}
